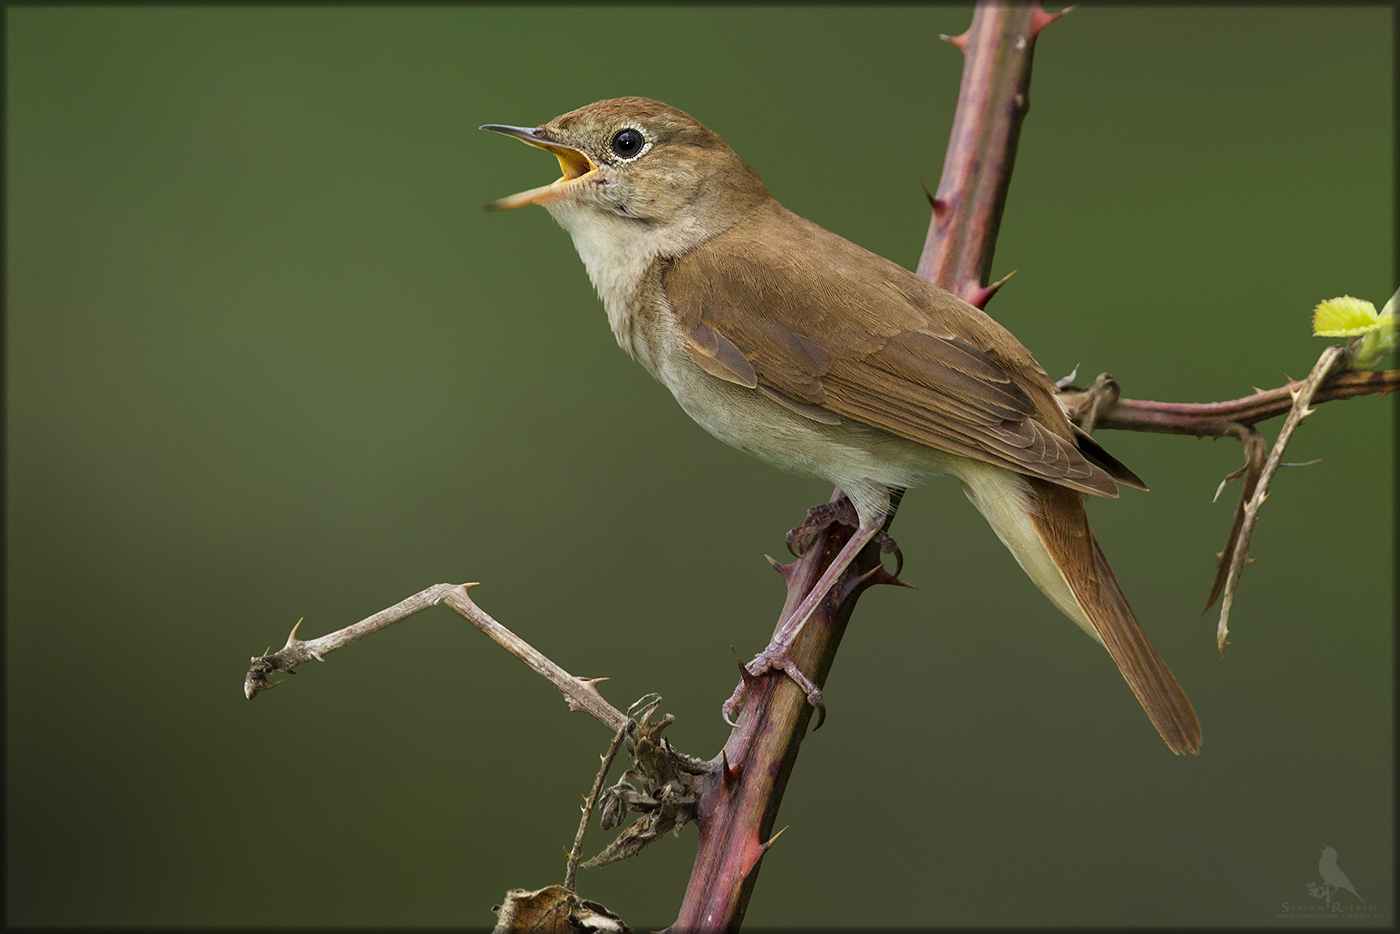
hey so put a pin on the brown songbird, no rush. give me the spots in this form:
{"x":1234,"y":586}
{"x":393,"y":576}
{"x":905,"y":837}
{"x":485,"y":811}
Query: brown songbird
{"x":819,"y":357}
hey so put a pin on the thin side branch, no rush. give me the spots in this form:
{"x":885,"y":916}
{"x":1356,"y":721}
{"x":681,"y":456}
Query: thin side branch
{"x":1302,"y":399}
{"x":579,"y":693}
{"x":297,"y":652}
{"x":571,"y":869}
{"x":1211,"y":419}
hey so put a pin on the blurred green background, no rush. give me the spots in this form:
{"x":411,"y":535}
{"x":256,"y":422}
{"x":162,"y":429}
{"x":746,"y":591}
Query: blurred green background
{"x":267,"y":358}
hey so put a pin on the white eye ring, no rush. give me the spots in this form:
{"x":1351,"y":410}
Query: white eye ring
{"x":626,"y":136}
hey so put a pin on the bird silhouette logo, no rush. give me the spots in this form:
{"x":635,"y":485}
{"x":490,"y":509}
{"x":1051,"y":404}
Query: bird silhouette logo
{"x":1332,"y":876}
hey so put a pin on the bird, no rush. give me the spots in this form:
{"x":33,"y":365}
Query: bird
{"x":819,"y":357}
{"x":1332,"y":874}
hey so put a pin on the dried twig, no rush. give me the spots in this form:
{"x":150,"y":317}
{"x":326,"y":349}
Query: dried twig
{"x":579,"y":693}
{"x":1238,"y":556}
{"x":296,"y":652}
{"x":571,"y":869}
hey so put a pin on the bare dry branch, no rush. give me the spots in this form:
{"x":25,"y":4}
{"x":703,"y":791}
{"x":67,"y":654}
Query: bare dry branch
{"x":296,"y":652}
{"x":571,"y":869}
{"x":579,"y":693}
{"x":1302,"y":399}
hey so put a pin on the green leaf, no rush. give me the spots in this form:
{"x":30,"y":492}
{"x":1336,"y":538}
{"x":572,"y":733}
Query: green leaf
{"x":1344,"y":317}
{"x":1372,"y":335}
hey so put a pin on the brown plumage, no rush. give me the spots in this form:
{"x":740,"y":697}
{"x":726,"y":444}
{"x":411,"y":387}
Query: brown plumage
{"x":777,"y":302}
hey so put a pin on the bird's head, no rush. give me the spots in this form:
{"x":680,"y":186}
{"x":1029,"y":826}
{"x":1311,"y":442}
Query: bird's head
{"x":639,"y":163}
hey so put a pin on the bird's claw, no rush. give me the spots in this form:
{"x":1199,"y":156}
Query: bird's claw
{"x":772,"y":658}
{"x":889,"y":546}
{"x":818,"y":519}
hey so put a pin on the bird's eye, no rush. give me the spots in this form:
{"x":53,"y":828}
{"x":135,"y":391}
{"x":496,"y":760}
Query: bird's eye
{"x":627,"y":142}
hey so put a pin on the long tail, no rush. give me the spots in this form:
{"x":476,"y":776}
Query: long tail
{"x":1045,"y":527}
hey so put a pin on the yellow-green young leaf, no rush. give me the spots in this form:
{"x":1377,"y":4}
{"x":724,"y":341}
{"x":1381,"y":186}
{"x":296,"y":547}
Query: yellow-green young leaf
{"x":1344,"y":317}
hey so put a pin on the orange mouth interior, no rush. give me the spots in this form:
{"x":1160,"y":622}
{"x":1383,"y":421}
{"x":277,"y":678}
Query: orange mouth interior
{"x":574,"y":163}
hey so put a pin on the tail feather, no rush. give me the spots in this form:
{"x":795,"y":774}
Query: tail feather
{"x":1063,"y":528}
{"x":1047,"y":530}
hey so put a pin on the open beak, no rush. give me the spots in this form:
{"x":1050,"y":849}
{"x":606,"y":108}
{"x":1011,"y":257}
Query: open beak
{"x":575,"y":164}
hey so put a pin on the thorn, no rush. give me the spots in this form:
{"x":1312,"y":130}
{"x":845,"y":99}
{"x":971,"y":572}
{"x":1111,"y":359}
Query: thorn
{"x":1306,"y":413}
{"x":749,"y":679}
{"x":266,"y":652}
{"x":293,"y":637}
{"x":783,"y":569}
{"x":877,"y":575}
{"x":939,"y":205}
{"x":1040,"y":19}
{"x":1219,"y":556}
{"x":959,"y":41}
{"x":1265,"y":498}
{"x":1068,"y":380}
{"x":1220,"y":489}
{"x":1317,"y":460}
{"x":1248,"y":560}
{"x":314,"y":654}
{"x":1257,"y":390}
{"x":979,"y":295}
{"x":1000,"y":282}
{"x":729,"y":774}
{"x":773,"y":839}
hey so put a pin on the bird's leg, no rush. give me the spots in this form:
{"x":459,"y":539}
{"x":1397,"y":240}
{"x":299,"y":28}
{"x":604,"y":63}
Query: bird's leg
{"x":777,"y":654}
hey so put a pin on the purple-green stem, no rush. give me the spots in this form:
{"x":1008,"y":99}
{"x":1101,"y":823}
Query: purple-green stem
{"x":1212,"y":419}
{"x":740,"y":800}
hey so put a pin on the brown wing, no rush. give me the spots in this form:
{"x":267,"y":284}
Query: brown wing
{"x":781,"y":306}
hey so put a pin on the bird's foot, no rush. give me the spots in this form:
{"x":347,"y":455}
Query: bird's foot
{"x":818,"y":519}
{"x":774,"y":658}
{"x":824,"y":516}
